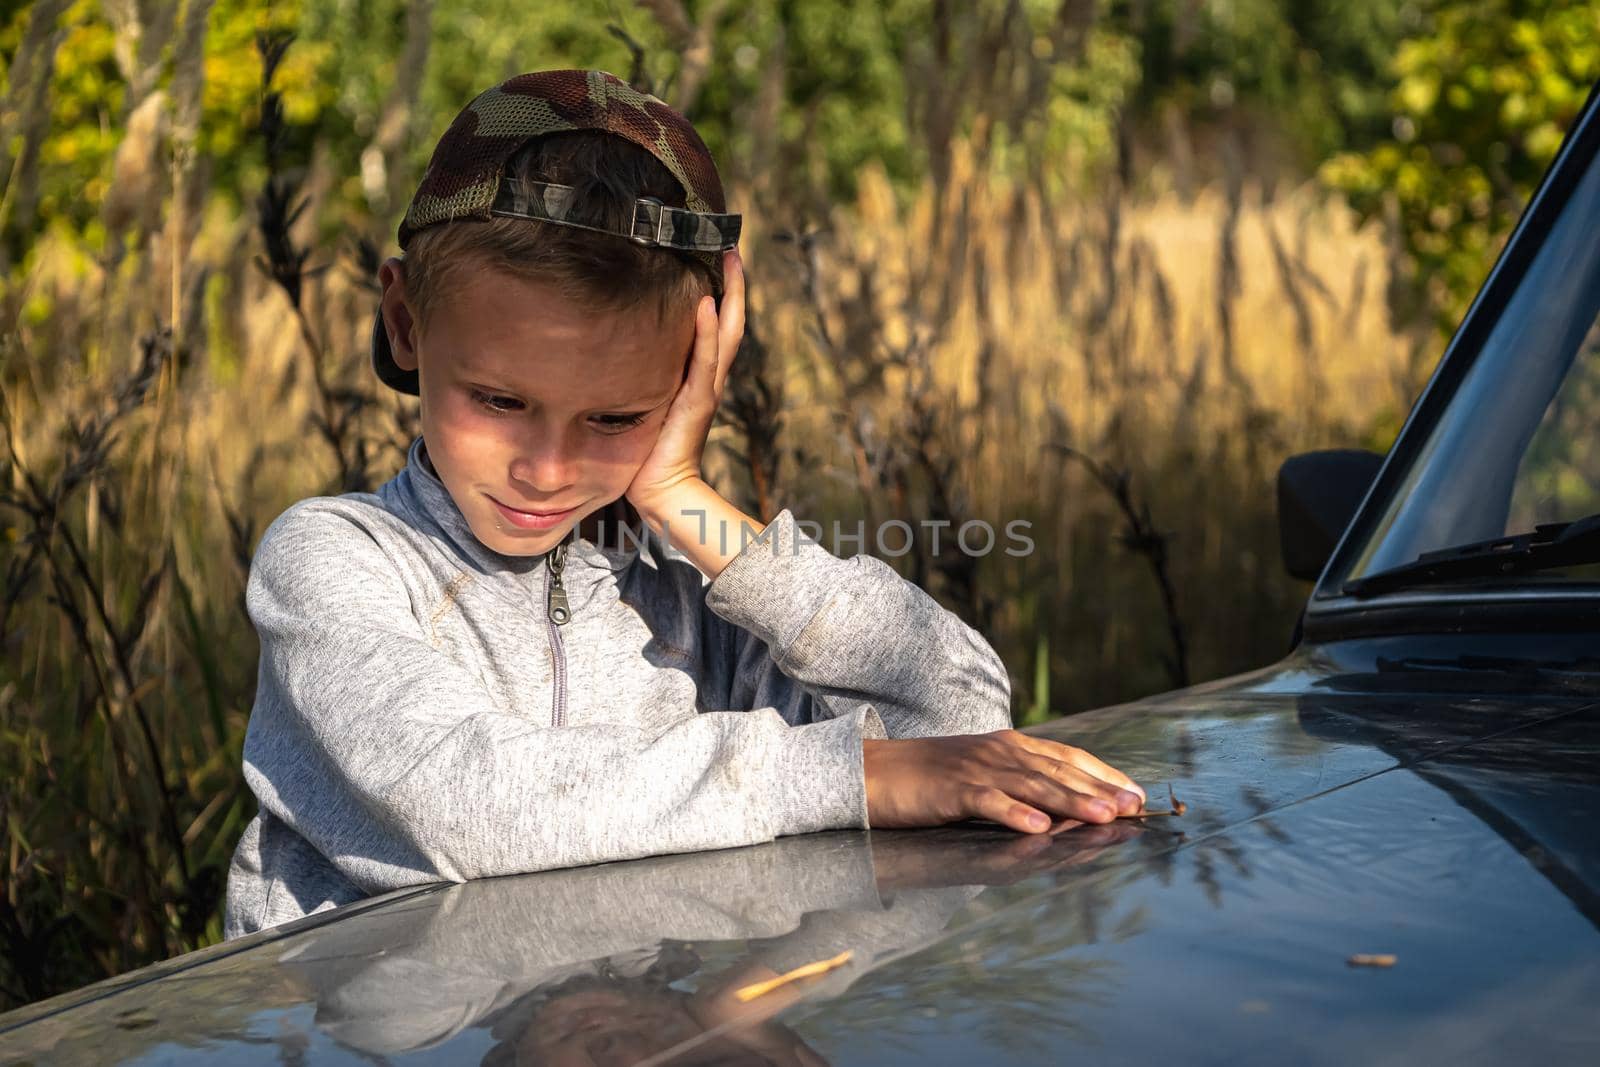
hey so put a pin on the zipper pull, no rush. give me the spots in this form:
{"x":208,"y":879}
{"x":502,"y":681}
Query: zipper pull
{"x":556,"y":601}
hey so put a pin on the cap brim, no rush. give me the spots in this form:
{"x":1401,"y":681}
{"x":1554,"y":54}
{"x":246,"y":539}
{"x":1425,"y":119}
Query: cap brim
{"x":389,"y":372}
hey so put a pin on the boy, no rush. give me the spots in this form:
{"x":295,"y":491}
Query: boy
{"x":463,"y":676}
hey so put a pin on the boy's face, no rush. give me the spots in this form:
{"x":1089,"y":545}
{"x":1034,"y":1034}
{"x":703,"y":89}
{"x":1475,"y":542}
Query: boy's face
{"x":531,"y":404}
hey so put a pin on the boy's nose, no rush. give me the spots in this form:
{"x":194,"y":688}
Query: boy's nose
{"x":544,"y":471}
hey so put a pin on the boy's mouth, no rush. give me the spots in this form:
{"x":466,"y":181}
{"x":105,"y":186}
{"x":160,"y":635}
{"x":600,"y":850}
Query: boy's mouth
{"x":533,"y":520}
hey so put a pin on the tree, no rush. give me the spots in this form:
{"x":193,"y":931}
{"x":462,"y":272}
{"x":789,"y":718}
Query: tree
{"x":1482,"y":95}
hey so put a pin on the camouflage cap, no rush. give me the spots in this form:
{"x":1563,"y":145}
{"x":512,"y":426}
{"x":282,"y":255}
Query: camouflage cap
{"x":465,"y":178}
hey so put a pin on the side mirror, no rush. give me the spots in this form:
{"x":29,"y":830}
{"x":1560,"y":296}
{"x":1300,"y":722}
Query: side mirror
{"x":1318,"y":493}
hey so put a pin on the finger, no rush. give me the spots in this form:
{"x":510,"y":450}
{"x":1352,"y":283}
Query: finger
{"x":733,"y":294}
{"x":730,"y":330}
{"x":1124,"y":801}
{"x":698,"y":388}
{"x":987,"y":802}
{"x":1043,"y":791}
{"x":1077,"y":757}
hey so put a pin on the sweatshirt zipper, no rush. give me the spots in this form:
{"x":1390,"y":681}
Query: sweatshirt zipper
{"x":556,"y":615}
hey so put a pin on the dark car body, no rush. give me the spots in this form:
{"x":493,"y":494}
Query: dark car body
{"x":1419,"y":780}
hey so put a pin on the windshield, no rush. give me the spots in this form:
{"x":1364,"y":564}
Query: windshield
{"x":1516,"y":446}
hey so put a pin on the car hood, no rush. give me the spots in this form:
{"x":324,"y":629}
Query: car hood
{"x":1453,"y":830}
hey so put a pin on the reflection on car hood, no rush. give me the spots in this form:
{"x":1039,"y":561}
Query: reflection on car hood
{"x":1454,"y":831}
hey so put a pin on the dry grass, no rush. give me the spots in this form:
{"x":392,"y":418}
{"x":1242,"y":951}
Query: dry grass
{"x":1108,"y":328}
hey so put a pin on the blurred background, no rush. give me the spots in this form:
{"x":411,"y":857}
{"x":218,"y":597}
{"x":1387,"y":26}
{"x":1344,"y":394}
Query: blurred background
{"x":1100,"y":266}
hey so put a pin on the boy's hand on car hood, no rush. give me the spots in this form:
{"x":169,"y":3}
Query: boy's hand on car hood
{"x":1007,"y":777}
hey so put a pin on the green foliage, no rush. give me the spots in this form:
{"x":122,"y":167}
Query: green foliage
{"x":231,"y":95}
{"x":86,"y":96}
{"x":471,"y":47}
{"x":1309,"y":71}
{"x":845,"y":90}
{"x":1560,"y":471}
{"x":845,"y":96}
{"x":90,"y":106}
{"x":1483,"y":93}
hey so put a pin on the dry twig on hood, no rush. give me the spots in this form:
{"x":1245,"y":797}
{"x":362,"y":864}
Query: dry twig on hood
{"x":1178,"y":808}
{"x":1380,"y":959}
{"x":756,"y":989}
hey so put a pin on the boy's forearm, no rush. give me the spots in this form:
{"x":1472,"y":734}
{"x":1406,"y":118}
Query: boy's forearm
{"x":696,"y":521}
{"x":940,"y":676}
{"x":856,"y":629}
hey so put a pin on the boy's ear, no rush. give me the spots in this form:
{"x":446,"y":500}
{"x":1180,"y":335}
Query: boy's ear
{"x":397,"y":318}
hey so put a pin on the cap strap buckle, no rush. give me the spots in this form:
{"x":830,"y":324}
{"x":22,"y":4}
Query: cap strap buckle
{"x":654,"y":223}
{"x":647,"y":204}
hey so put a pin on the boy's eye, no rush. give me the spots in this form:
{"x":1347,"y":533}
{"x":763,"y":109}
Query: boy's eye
{"x":499,"y":404}
{"x":618,"y":423}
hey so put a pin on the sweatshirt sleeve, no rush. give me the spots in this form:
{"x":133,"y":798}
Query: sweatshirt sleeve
{"x":816,"y":635}
{"x":395,"y":762}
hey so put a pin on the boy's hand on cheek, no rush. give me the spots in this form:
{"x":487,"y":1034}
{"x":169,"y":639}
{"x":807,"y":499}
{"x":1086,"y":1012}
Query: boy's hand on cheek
{"x":674,"y":462}
{"x":1006,"y":777}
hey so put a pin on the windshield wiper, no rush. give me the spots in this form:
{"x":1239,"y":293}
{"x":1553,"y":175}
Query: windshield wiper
{"x":1555,"y":544}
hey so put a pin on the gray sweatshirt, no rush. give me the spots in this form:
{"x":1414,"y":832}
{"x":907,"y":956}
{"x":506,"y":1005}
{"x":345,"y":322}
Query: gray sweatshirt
{"x":420,"y":716}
